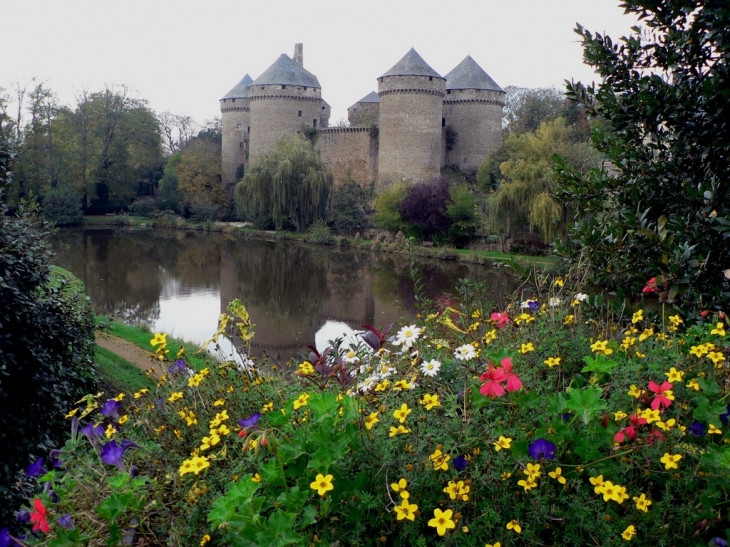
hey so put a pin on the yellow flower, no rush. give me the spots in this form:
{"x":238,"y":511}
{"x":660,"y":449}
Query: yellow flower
{"x":123,"y":419}
{"x":674,"y":322}
{"x":181,"y":352}
{"x":502,"y":443}
{"x":636,"y":392}
{"x":558,"y":282}
{"x":640,"y":355}
{"x":526,"y":348}
{"x":110,"y":431}
{"x":629,"y":532}
{"x":638,"y":317}
{"x":306,"y":368}
{"x":552,"y":361}
{"x":490,"y":337}
{"x":597,"y":482}
{"x":674,"y":375}
{"x":256,"y":478}
{"x":620,"y":415}
{"x":209,"y":442}
{"x":533,"y":470}
{"x":190,"y":418}
{"x":527,"y":484}
{"x":670,"y":460}
{"x":400,"y":385}
{"x":717,"y":358}
{"x":219,"y":402}
{"x":569,"y":319}
{"x":498,"y":544}
{"x":195,"y":380}
{"x":714,"y":430}
{"x":322,"y":484}
{"x":72,"y":413}
{"x":439,"y":460}
{"x":442,"y":521}
{"x":402,"y":413}
{"x":141,"y":392}
{"x":557,"y":475}
{"x":698,"y":351}
{"x":400,"y":430}
{"x":430,"y":401}
{"x":119,"y":397}
{"x":399,"y":486}
{"x":642,"y":503}
{"x":371,"y":420}
{"x":406,"y":510}
{"x":205,"y":539}
{"x":268,"y":407}
{"x":666,"y":426}
{"x":651,"y":415}
{"x":515,"y":526}
{"x":200,"y":463}
{"x":719,"y":329}
{"x":223,"y":430}
{"x":159,"y":339}
{"x":505,"y":476}
{"x":601,"y":346}
{"x":175,"y":396}
{"x":302,"y":400}
{"x":382,"y":386}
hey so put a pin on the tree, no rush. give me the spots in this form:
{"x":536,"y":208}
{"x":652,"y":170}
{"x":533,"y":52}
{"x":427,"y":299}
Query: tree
{"x":387,"y":214}
{"x":349,"y":204}
{"x":198,"y":174}
{"x":290,"y":184}
{"x":527,"y":196}
{"x":662,"y":209}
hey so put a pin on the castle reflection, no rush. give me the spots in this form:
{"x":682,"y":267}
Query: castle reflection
{"x":180,"y":282}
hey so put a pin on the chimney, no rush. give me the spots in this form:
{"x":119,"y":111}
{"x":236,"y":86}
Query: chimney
{"x":299,"y":54}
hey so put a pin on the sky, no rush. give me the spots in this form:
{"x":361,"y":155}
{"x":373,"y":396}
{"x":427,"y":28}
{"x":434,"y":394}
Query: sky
{"x":182,"y":56}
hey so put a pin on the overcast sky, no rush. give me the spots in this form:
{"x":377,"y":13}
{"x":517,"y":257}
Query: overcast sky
{"x":184,"y":55}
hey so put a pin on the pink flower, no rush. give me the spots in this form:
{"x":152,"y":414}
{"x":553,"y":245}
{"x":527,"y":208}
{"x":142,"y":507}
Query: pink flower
{"x":650,"y":286}
{"x":661,"y":400}
{"x":493,"y":378}
{"x":513,"y":382}
{"x":38,"y":517}
{"x":501,"y":319}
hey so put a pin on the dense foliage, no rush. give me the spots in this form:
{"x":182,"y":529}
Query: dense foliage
{"x":663,"y":208}
{"x":289,"y":186}
{"x":46,"y":345}
{"x":349,"y":206}
{"x":62,"y":206}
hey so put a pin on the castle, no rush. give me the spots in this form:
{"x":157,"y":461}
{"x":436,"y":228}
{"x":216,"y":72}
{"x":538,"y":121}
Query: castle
{"x":417,"y":122}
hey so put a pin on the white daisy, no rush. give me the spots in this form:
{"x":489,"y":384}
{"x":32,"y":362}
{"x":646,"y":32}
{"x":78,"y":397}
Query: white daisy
{"x":581,"y":297}
{"x":430,"y":368}
{"x":407,"y":336}
{"x":554,"y":301}
{"x":350,"y":357}
{"x":465,"y":352}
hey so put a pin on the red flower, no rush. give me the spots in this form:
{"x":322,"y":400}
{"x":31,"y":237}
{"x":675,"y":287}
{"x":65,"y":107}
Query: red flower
{"x":493,"y":378}
{"x":650,"y":286}
{"x":661,"y":400}
{"x":513,"y":382}
{"x":38,"y":517}
{"x":655,"y":435}
{"x":501,"y":319}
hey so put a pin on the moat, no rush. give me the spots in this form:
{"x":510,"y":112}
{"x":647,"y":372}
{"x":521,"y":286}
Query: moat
{"x":180,"y":282}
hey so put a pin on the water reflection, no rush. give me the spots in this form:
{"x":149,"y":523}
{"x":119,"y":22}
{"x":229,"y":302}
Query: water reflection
{"x":179,"y":282}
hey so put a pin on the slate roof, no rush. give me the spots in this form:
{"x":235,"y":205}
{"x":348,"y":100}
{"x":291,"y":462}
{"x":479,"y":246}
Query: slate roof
{"x":371,"y":97}
{"x":469,"y":75}
{"x":241,"y":89}
{"x":412,"y":65}
{"x":285,"y":71}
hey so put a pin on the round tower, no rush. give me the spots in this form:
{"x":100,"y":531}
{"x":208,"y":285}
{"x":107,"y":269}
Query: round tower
{"x":411,"y":96}
{"x":235,"y":124}
{"x":472,"y":116}
{"x":285,"y":99}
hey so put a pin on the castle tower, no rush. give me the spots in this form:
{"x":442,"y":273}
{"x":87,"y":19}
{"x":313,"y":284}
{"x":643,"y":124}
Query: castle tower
{"x":285,"y":99}
{"x":366,"y":111}
{"x":235,"y":127}
{"x":411,"y":97}
{"x":472,"y":116}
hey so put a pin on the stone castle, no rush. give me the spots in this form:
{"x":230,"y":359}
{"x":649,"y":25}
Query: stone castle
{"x":417,"y":122}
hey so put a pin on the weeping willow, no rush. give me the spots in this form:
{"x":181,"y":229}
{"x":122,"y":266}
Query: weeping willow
{"x":289,"y":184}
{"x":527,"y":195}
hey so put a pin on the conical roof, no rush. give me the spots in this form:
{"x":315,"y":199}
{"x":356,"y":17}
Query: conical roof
{"x":469,"y":75}
{"x":371,"y":97}
{"x":412,"y":65}
{"x":285,"y":71}
{"x":241,"y":89}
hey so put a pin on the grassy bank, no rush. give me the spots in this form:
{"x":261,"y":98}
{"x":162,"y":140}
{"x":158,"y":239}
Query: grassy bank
{"x":141,"y":337}
{"x":120,"y":374}
{"x":381,"y":245}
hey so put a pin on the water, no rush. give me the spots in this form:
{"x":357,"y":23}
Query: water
{"x":180,"y":282}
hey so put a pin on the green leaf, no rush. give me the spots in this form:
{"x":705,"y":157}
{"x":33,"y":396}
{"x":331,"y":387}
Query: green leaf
{"x":114,"y":505}
{"x":586,"y":403}
{"x":599,"y":364}
{"x":280,"y":531}
{"x":309,"y":516}
{"x":293,"y":500}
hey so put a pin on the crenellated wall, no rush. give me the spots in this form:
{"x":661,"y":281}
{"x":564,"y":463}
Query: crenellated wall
{"x":353,"y":149}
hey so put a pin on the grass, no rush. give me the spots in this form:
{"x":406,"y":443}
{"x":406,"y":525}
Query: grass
{"x":119,"y":373}
{"x":116,"y":220}
{"x":141,"y":337}
{"x":543,"y":261}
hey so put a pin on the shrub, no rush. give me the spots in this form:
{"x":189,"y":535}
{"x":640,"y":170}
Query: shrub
{"x":423,"y":209}
{"x":320,"y":233}
{"x":144,"y":207}
{"x":204,"y":210}
{"x":387,"y":215}
{"x":349,"y":205}
{"x":62,"y":206}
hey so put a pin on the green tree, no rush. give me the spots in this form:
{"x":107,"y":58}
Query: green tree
{"x":349,"y":204}
{"x":290,"y":184}
{"x":663,"y":208}
{"x":199,"y":176}
{"x":387,"y":214}
{"x":527,"y":198}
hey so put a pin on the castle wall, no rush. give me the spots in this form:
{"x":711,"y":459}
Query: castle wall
{"x":235,"y":124}
{"x":476,"y":117}
{"x":278,"y":110}
{"x":353,"y":149}
{"x":364,"y":114}
{"x":410,"y":127}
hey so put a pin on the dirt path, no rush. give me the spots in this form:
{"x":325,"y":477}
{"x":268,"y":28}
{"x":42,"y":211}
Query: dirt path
{"x":128,"y":351}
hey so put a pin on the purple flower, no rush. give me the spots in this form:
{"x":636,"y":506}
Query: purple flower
{"x":460,"y":463}
{"x":112,"y":453}
{"x":66,"y":521}
{"x":542,"y":450}
{"x":724,"y":418}
{"x":533,"y":305}
{"x":35,"y":469}
{"x":93,"y":433}
{"x":55,"y":459}
{"x":23,"y":517}
{"x":111,"y":408}
{"x":6,"y":540}
{"x":177,"y":367}
{"x":251,"y":421}
{"x":696,"y":429}
{"x":716,"y":542}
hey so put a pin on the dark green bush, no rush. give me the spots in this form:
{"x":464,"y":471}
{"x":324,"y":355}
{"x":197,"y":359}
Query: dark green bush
{"x":46,"y":346}
{"x":144,"y":207}
{"x":62,"y":206}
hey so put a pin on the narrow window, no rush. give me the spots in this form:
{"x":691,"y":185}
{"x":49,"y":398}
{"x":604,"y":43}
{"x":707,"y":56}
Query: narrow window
{"x":443,"y":122}
{"x":300,"y":113}
{"x":283,"y":87}
{"x":314,"y":123}
{"x":248,"y":130}
{"x":448,"y":92}
{"x":430,"y":78}
{"x":323,"y":108}
{"x":234,"y":100}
